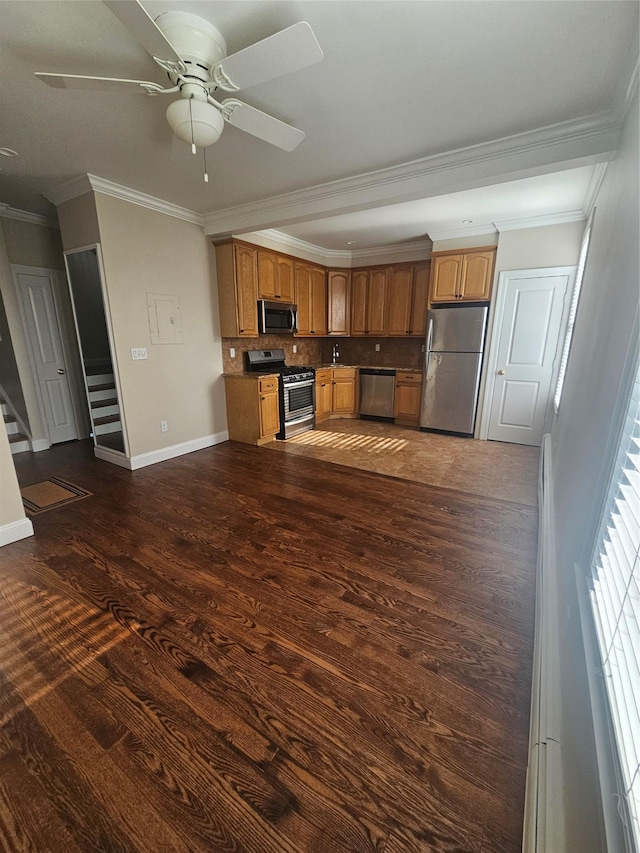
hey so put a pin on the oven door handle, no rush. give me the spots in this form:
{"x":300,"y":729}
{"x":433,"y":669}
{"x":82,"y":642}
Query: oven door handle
{"x":301,"y":420}
{"x":289,"y":386}
{"x":294,"y":320}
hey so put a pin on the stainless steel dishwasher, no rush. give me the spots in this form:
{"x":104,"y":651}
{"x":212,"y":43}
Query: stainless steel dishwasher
{"x":377,"y":393}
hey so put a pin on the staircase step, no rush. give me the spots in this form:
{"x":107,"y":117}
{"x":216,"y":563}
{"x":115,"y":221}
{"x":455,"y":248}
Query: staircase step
{"x":11,"y":425}
{"x":103,"y":386}
{"x":108,"y":419}
{"x":103,"y":411}
{"x":93,"y":369}
{"x":97,"y":403}
{"x":19,"y":443}
{"x":100,"y":379}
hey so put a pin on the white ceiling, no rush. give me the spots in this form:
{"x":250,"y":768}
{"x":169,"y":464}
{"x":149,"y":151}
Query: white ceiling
{"x":401,"y":83}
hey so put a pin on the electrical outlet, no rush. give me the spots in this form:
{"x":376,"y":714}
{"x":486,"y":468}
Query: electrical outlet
{"x":232,"y":352}
{"x":295,"y":348}
{"x":377,"y":347}
{"x":138,"y":353}
{"x":422,"y":347}
{"x":163,"y":426}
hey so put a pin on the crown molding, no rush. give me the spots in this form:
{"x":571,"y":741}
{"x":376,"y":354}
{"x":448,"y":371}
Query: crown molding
{"x":538,"y":221}
{"x":593,"y":189}
{"x":564,"y":145}
{"x":9,"y":212}
{"x":466,"y":231}
{"x":88,"y":183}
{"x":338,"y":257}
{"x":632,"y":87}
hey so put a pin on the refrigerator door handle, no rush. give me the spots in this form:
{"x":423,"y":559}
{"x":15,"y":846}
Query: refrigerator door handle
{"x":429,"y":335}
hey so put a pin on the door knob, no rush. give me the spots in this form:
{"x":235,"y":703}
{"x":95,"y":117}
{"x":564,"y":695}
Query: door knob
{"x":60,"y":371}
{"x":501,"y":373}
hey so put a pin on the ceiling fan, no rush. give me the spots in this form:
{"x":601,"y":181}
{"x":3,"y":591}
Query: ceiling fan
{"x":194,"y":55}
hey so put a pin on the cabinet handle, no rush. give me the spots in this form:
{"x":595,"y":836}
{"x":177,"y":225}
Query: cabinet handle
{"x":263,"y":398}
{"x":241,"y":331}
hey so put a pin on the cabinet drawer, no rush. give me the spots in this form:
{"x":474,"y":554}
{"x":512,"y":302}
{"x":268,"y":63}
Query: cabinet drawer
{"x":269,"y":383}
{"x":323,"y":375}
{"x":342,"y":373}
{"x":409,"y":377}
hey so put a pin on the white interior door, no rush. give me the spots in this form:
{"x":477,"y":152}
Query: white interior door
{"x":37,"y":294}
{"x":530,"y":313}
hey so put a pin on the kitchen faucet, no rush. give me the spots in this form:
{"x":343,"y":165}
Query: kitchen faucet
{"x":335,"y":355}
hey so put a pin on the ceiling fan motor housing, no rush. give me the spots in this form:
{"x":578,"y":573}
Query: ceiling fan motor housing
{"x":194,"y":39}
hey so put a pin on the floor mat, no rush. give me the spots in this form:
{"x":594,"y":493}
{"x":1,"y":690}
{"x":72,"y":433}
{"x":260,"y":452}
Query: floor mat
{"x":50,"y":494}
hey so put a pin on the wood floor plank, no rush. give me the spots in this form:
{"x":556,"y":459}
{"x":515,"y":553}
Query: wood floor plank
{"x":252,"y":651}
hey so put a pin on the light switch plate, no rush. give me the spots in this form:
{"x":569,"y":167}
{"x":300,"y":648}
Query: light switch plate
{"x":377,"y":347}
{"x":138,"y":353}
{"x":232,"y":352}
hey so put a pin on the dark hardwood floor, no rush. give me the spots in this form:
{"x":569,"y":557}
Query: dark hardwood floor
{"x":242,"y":650}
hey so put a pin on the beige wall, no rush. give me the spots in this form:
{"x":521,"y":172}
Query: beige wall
{"x":465,"y":242}
{"x":33,"y":245}
{"x":546,"y":246}
{"x":11,"y":509}
{"x":148,"y":251}
{"x":19,"y":340}
{"x":79,"y":222}
{"x":595,"y":397}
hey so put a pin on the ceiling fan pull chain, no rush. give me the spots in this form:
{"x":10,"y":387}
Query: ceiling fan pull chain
{"x":206,"y":175}
{"x":193,"y":145}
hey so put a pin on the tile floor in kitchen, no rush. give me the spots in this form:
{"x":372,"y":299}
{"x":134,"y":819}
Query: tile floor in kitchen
{"x":492,"y":469}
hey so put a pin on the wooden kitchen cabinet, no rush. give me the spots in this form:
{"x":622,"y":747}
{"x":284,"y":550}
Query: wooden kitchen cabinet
{"x":253,"y":409}
{"x":311,"y":299}
{"x":345,"y":392}
{"x":275,"y":276}
{"x":324,"y":393}
{"x":420,"y":299}
{"x":369,"y":301}
{"x":399,"y":300}
{"x":338,"y":298}
{"x":465,"y":275}
{"x":237,"y":276}
{"x":408,"y":397}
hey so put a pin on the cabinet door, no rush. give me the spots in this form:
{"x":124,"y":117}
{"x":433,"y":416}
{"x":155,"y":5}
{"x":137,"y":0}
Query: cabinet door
{"x":318,"y":301}
{"x":338,"y":302}
{"x":445,"y":278}
{"x":420,"y":301}
{"x":323,"y":397}
{"x":477,"y":269}
{"x":407,"y":403}
{"x":344,"y":391}
{"x":267,"y":275}
{"x":303,"y":297}
{"x":284,"y":281}
{"x":399,"y":301}
{"x":359,"y":288}
{"x":269,"y":413}
{"x":246,"y":290}
{"x":377,"y":302}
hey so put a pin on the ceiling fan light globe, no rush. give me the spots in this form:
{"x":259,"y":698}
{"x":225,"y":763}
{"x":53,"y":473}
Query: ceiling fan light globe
{"x":195,"y":121}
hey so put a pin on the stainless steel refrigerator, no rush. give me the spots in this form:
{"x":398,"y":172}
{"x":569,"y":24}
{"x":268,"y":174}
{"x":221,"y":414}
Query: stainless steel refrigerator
{"x":453,"y":361}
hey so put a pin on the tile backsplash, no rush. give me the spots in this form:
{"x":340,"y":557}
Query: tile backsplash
{"x":394,"y":352}
{"x":309,"y":350}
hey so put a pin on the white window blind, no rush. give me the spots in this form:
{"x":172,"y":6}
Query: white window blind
{"x":615,"y":600}
{"x":573,"y":310}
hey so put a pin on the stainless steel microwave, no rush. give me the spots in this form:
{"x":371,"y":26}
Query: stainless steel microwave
{"x":277,"y":318}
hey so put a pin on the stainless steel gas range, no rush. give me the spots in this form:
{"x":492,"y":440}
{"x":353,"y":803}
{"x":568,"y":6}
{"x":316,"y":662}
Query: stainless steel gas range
{"x":296,"y":389}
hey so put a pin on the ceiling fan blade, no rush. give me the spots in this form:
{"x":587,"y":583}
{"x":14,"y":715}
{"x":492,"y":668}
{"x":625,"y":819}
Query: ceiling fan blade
{"x":260,"y":124}
{"x":286,"y":51}
{"x":136,"y":19}
{"x":96,"y":84}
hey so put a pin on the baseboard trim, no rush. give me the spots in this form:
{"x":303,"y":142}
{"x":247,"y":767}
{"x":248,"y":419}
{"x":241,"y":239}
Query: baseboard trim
{"x":162,"y":455}
{"x":39,"y":444}
{"x":15,"y":530}
{"x":166,"y":453}
{"x":544,"y":803}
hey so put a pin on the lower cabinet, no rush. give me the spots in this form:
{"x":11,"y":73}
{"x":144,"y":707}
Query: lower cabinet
{"x":336,"y":393}
{"x":345,"y":392}
{"x":408,"y":397}
{"x":253,"y":408}
{"x":324,"y":387}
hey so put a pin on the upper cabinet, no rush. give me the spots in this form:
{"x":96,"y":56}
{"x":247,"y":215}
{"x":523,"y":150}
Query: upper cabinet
{"x":237,"y":275}
{"x":338,"y":298}
{"x":311,"y":299}
{"x":275,"y":276}
{"x":368,"y":301}
{"x":407,"y":299}
{"x":465,"y":274}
